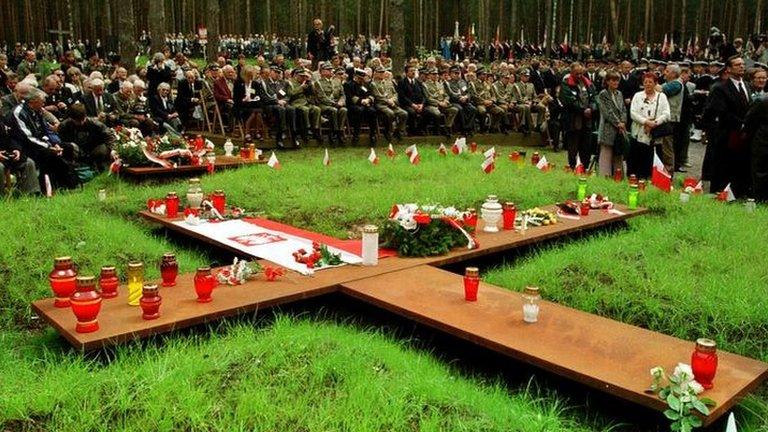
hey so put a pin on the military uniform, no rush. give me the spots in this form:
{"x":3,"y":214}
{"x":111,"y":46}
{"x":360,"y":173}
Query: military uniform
{"x":438,"y":102}
{"x":458,"y":94}
{"x":329,"y":96}
{"x":276,"y":90}
{"x":385,"y":102}
{"x":299,"y":97}
{"x":360,"y":104}
{"x":525,"y":96}
{"x":481,"y":95}
{"x":504,"y":100}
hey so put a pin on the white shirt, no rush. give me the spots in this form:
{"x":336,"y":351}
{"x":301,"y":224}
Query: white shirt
{"x":643,"y":109}
{"x":741,"y":88}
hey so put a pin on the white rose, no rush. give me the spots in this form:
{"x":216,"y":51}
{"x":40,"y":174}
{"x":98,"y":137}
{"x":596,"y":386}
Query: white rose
{"x":683,"y":372}
{"x":696,"y":387}
{"x":657,"y":372}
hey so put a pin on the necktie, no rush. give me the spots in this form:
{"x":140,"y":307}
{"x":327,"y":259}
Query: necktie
{"x":743,"y":92}
{"x":99,"y":105}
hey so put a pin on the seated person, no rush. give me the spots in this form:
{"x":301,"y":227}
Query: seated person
{"x":100,"y":104}
{"x":31,"y":133}
{"x":92,"y":137}
{"x":188,"y":95}
{"x":13,"y":161}
{"x":223,"y":88}
{"x":163,"y":110}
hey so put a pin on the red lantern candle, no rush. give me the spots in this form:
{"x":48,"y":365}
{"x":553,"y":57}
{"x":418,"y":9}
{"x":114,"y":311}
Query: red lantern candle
{"x":86,"y":304}
{"x":204,"y":284}
{"x":585,"y":209}
{"x":535,"y":158}
{"x":150,"y":302}
{"x":199,"y":143}
{"x":171,"y":205}
{"x":108,"y":282}
{"x":471,"y":283}
{"x":169,"y":269}
{"x":704,"y":362}
{"x":641,"y":185}
{"x":509,"y":214}
{"x":219,"y":201}
{"x":245,"y":152}
{"x":514,"y":156}
{"x":470,"y":218}
{"x":632,"y":179}
{"x":618,"y":175}
{"x":62,"y":281}
{"x":473,"y":147}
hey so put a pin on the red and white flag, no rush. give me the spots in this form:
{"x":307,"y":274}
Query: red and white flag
{"x":372,"y":158}
{"x":48,"y":188}
{"x":326,"y":158}
{"x":727,"y":194}
{"x":490,"y":153}
{"x":273,"y":162}
{"x":459,"y":146}
{"x":413,"y":155}
{"x":488,"y":165}
{"x":543,"y":164}
{"x":442,"y":150}
{"x":579,"y":166}
{"x":410,"y":149}
{"x":390,"y":151}
{"x":659,"y":176}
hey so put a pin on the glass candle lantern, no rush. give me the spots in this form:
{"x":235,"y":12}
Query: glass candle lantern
{"x":641,"y":185}
{"x":685,"y":197}
{"x":581,"y":189}
{"x":219,"y":201}
{"x":508,"y":215}
{"x":470,"y":218}
{"x":199,"y":143}
{"x":135,"y":282}
{"x":171,"y":205}
{"x":473,"y":147}
{"x":471,"y":283}
{"x":210,"y":157}
{"x":633,"y":196}
{"x":108,"y":282}
{"x":62,"y":281}
{"x":204,"y":284}
{"x":169,"y":269}
{"x":491,"y":214}
{"x":514,"y":156}
{"x":86,"y":304}
{"x":245,"y":153}
{"x":632,"y":179}
{"x":150,"y":302}
{"x":194,"y":193}
{"x":535,"y":158}
{"x":618,"y":176}
{"x":228,"y":147}
{"x":704,"y":362}
{"x":750,"y":205}
{"x":531,"y":299}
{"x":370,"y":245}
{"x":102,"y":195}
{"x":584,"y":208}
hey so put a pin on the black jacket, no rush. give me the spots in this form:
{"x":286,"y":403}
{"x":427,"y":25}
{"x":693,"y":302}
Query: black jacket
{"x":186,"y":92}
{"x":157,"y":109}
{"x":89,"y":135}
{"x":409,"y":94}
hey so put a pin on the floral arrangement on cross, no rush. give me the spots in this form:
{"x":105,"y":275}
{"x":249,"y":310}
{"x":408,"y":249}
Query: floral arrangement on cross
{"x":681,"y":395}
{"x":426,"y":230}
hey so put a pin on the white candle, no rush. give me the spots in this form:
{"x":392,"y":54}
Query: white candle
{"x":370,"y":245}
{"x":530,"y":312}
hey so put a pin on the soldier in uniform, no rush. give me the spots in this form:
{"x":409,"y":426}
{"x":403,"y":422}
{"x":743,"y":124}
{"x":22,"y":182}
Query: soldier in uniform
{"x":360,"y":103}
{"x":300,"y":92}
{"x":458,"y":93}
{"x":274,"y":98}
{"x":330,"y":98}
{"x":503,"y":99}
{"x":528,"y":103}
{"x":385,"y":102}
{"x":482,"y":99}
{"x":437,"y":101}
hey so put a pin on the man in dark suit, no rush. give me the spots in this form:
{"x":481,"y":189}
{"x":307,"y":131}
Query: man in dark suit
{"x":360,"y":102}
{"x":726,"y":108}
{"x":188,"y":96}
{"x":162,"y":108}
{"x":100,"y":104}
{"x":536,"y":78}
{"x":319,"y":42}
{"x":93,"y":138}
{"x":410,"y":93}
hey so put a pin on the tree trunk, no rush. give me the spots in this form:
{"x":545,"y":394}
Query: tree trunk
{"x":589,"y":22}
{"x":127,"y":34}
{"x":397,"y":33}
{"x":156,"y":17}
{"x":683,"y":16}
{"x":647,"y":26}
{"x":212,"y":10}
{"x":615,"y":20}
{"x":758,"y":16}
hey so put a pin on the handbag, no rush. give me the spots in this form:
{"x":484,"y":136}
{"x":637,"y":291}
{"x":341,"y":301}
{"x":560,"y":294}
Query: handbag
{"x":662,"y":130}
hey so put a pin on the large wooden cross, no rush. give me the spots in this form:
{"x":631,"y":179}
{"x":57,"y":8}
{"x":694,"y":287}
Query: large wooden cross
{"x":60,"y":32}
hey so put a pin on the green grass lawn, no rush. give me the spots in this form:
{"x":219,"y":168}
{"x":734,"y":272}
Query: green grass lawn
{"x":687,"y":270}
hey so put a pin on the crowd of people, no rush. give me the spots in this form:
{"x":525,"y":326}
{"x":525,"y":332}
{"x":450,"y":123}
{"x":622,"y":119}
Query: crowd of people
{"x":607,"y":113}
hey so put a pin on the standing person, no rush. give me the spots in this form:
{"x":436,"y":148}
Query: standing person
{"x":649,"y":109}
{"x":727,"y":105}
{"x":674,"y":90}
{"x":319,"y":42}
{"x":576,"y":95}
{"x":612,"y":131}
{"x":756,"y":127}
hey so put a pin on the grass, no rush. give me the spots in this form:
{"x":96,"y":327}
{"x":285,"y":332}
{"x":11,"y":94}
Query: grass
{"x":687,"y":270}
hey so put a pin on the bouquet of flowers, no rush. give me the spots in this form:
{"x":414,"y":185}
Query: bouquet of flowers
{"x":171,"y":149}
{"x":426,"y":230}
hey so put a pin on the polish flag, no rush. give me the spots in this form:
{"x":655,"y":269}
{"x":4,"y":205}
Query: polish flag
{"x":373,"y":158}
{"x":459,"y":146}
{"x":659,"y":176}
{"x":490,"y":153}
{"x":273,"y":162}
{"x":442,"y":150}
{"x":414,"y":156}
{"x":727,"y":194}
{"x":543,"y":164}
{"x":390,"y":151}
{"x":48,"y":187}
{"x":326,"y":158}
{"x":410,"y":149}
{"x":579,"y":166}
{"x":488,"y":165}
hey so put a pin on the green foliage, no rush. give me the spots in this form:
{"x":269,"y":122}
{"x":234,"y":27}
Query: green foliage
{"x":435,"y":238}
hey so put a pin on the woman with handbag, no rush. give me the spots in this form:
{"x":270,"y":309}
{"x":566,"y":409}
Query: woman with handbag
{"x":650,"y":114}
{"x":612,"y":132}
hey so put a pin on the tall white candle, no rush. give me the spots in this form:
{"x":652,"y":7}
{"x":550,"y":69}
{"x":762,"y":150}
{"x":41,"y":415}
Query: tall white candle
{"x":370,"y":245}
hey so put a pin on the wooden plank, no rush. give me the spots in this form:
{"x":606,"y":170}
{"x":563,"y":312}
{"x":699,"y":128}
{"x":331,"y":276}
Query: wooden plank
{"x":222,"y":163}
{"x":608,"y":355}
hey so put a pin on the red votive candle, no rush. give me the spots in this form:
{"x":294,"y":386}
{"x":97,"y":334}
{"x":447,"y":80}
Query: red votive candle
{"x":108,"y":282}
{"x":473,"y":147}
{"x":169,"y":269}
{"x":62,"y":281}
{"x":585,"y":209}
{"x":219,"y":201}
{"x":204,"y":283}
{"x":704,"y":362}
{"x":471,"y":283}
{"x":171,"y":205}
{"x":86,"y":304}
{"x":150,"y":302}
{"x":508,"y":215}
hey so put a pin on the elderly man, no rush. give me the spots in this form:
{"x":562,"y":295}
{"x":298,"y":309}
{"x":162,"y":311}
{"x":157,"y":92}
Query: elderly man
{"x":458,"y":93}
{"x":577,"y":95}
{"x":674,"y":89}
{"x":163,"y":110}
{"x":124,"y":100}
{"x":119,"y":76}
{"x":13,"y":160}
{"x":31,"y":133}
{"x":140,"y":91}
{"x":300,"y":92}
{"x":223,"y":88}
{"x":268,"y":90}
{"x":28,"y":65}
{"x":330,"y":98}
{"x":360,"y":102}
{"x":11,"y":101}
{"x":188,"y":95}
{"x":56,"y":100}
{"x":437,"y":101}
{"x":92,"y":137}
{"x":319,"y":42}
{"x":385,"y":102}
{"x":100,"y":104}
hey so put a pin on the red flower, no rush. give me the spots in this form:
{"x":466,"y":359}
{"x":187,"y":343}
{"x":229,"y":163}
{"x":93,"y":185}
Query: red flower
{"x":422,"y":219}
{"x":272,"y":273}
